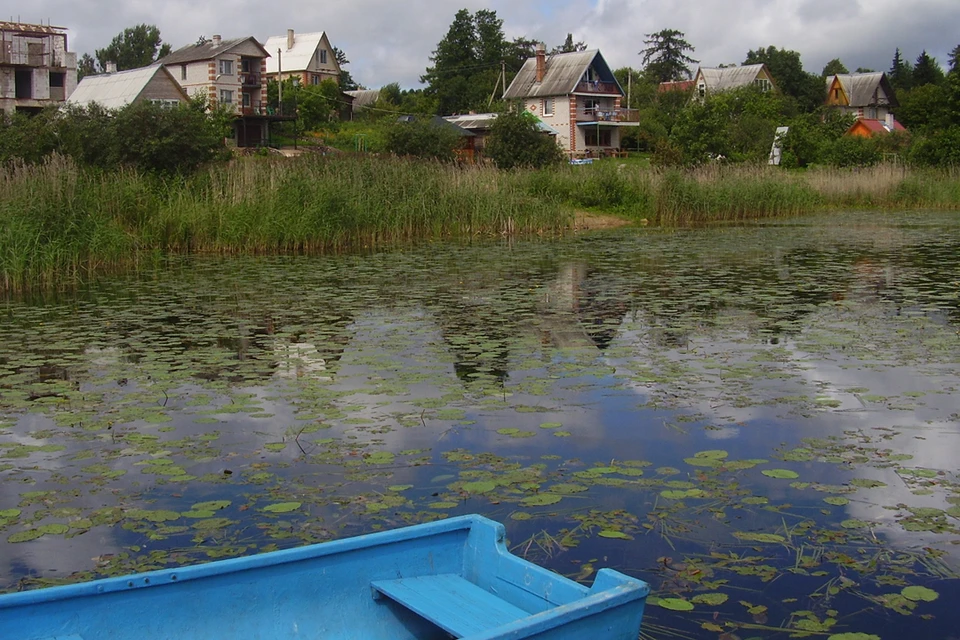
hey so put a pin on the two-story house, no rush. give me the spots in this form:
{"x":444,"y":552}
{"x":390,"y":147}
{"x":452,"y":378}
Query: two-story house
{"x":231,"y":74}
{"x":577,"y":95}
{"x":35,"y":67}
{"x":308,"y":57}
{"x":864,"y":95}
{"x":710,"y":80}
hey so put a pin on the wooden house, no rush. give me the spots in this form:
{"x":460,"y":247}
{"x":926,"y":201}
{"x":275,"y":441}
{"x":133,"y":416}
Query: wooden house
{"x":710,"y":80}
{"x":577,"y":95}
{"x":864,"y":95}
{"x":117,"y":89}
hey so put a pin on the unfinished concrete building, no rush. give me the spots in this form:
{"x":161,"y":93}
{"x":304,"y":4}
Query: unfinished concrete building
{"x":36,"y":69}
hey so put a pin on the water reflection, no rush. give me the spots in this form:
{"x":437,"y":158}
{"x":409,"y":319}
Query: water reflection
{"x":574,"y":383}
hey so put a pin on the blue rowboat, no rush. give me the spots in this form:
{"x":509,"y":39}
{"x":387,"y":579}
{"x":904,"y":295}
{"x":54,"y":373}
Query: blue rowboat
{"x":448,"y":578}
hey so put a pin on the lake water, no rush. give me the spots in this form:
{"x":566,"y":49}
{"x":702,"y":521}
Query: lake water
{"x":761,"y":421}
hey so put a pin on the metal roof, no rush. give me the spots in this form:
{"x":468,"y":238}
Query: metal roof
{"x":297,"y":58}
{"x":116,"y":90}
{"x":866,"y":89}
{"x":484,"y":121}
{"x":563,"y":72}
{"x":207,"y":50}
{"x":363,"y":97}
{"x":725,"y":78}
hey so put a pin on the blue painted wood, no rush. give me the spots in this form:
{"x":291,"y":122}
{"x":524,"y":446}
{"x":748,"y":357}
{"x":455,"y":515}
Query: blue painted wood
{"x":450,"y":602}
{"x":324,"y":591}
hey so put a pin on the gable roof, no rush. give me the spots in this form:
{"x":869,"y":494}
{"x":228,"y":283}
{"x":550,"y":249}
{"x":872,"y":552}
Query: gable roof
{"x":725,"y":78}
{"x":563,"y":73}
{"x":363,"y":97}
{"x":675,"y":85}
{"x":299,"y":56}
{"x":116,"y":90}
{"x":865,"y":89}
{"x":208,"y":50}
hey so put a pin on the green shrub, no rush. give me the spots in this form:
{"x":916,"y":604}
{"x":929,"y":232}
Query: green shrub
{"x":516,"y":141}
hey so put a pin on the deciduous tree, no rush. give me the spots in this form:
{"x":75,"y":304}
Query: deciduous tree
{"x":516,"y":141}
{"x":134,"y":47}
{"x":807,"y":89}
{"x":832,"y":68}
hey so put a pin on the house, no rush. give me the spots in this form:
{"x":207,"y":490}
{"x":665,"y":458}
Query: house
{"x":869,"y":127}
{"x":465,"y":149}
{"x":361,"y":99}
{"x":864,"y":95}
{"x":228,"y":73}
{"x":710,"y":80}
{"x":115,"y":89}
{"x":480,"y":124}
{"x":307,"y":57}
{"x":577,"y":95}
{"x":35,"y":67}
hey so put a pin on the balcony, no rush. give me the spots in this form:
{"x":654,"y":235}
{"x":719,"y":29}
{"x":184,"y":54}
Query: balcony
{"x":263,"y":111}
{"x":250,"y":79}
{"x":597,"y":86}
{"x":601,"y":114}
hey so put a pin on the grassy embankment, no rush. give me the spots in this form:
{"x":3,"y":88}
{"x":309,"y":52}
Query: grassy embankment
{"x":59,"y":222}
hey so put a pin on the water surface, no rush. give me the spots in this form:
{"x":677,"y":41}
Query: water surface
{"x":760,"y":421}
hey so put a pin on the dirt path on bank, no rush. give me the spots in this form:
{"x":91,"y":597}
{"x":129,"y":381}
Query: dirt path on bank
{"x":586,"y":221}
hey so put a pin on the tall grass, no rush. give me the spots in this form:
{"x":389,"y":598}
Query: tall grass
{"x":59,"y":222}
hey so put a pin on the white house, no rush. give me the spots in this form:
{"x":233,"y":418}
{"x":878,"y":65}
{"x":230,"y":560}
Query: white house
{"x":308,"y":57}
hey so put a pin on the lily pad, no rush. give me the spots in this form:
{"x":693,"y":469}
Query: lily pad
{"x":282,"y":507}
{"x":919,"y":594}
{"x":782,"y":474}
{"x":712,"y":599}
{"x":675,"y":604}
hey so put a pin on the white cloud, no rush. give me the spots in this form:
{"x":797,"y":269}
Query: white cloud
{"x":392,"y":41}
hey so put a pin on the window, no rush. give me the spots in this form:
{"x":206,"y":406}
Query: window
{"x":702,"y":89}
{"x":548,"y":106}
{"x":183,"y":72}
{"x":314,"y":79}
{"x":764,"y":84}
{"x":226,"y":67}
{"x":323,"y":56}
{"x":226,"y":96}
{"x":245,"y":65}
{"x":166,"y":104}
{"x":57,"y":78}
{"x":594,"y":138}
{"x":590,"y":107}
{"x":246,"y":99}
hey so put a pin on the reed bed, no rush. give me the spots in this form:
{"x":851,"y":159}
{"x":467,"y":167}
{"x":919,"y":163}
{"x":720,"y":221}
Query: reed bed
{"x":59,"y":222}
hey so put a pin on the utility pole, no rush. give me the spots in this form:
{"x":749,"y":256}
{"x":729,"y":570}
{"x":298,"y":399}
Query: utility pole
{"x":503,"y":72}
{"x":279,"y":85}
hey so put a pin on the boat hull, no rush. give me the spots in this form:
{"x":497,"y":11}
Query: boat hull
{"x":327,"y":591}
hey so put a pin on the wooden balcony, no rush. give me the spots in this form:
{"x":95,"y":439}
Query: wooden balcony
{"x":598,"y":87}
{"x":601,"y":114}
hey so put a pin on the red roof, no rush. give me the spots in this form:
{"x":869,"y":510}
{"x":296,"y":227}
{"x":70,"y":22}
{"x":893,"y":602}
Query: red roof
{"x":675,"y":85}
{"x":877,"y":126}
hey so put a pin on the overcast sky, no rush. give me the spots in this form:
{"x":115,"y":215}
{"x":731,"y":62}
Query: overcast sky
{"x":391,"y":41}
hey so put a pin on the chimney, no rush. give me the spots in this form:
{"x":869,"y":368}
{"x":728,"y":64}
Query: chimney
{"x":289,"y":39}
{"x":541,"y":61}
{"x":888,"y":122}
{"x":216,"y":41}
{"x":111,"y":67}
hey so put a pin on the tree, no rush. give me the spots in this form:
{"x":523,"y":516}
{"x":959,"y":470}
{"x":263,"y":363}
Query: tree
{"x":865,"y":70}
{"x":86,"y":66}
{"x":901,"y":72}
{"x":807,"y":89}
{"x":467,"y":62}
{"x":569,"y":46}
{"x":833,"y":68}
{"x":926,"y":71}
{"x":425,"y":138}
{"x":347,"y":83}
{"x":955,"y":59}
{"x":135,"y":47}
{"x":665,"y":57}
{"x":516,"y":141}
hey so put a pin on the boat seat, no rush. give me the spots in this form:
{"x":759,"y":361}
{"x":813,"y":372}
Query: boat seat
{"x":454,"y":604}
